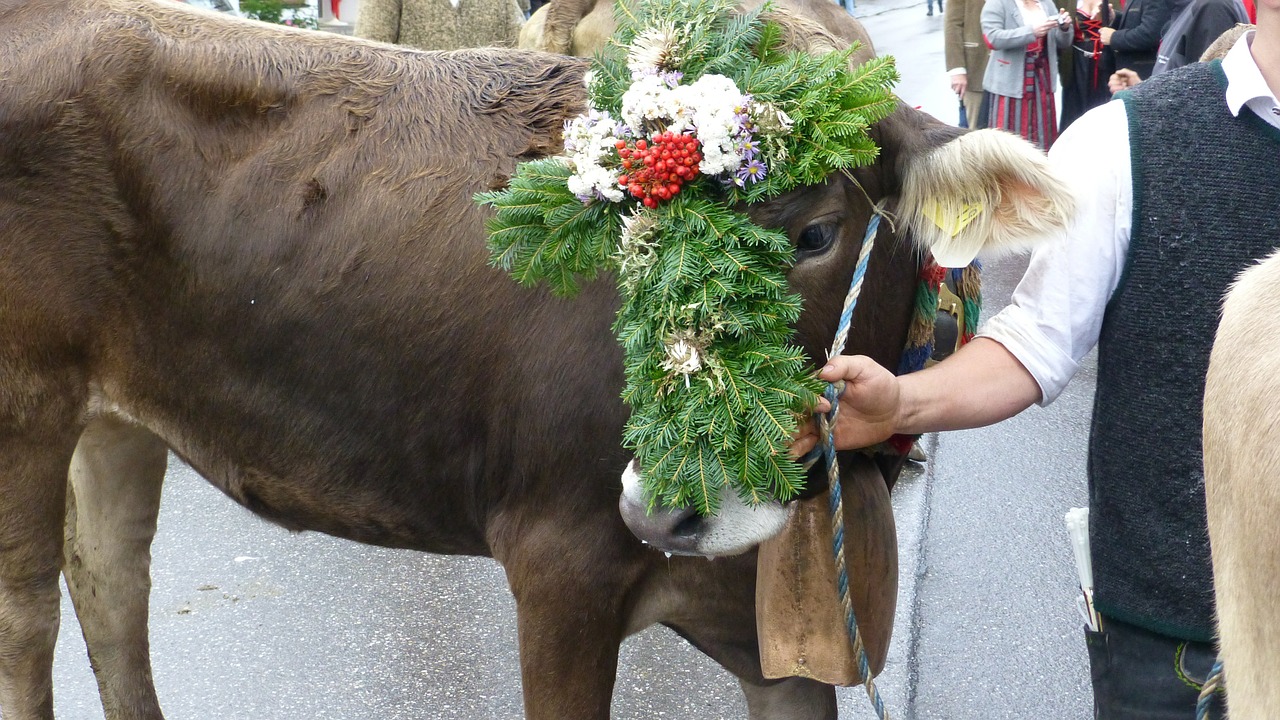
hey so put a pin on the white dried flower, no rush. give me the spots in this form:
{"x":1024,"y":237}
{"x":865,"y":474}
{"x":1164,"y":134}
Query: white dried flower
{"x":649,"y":103}
{"x":589,"y":139}
{"x":654,"y":50}
{"x":684,"y":356}
{"x":637,"y":251}
{"x":770,"y":120}
{"x":591,"y":181}
{"x":717,"y":105}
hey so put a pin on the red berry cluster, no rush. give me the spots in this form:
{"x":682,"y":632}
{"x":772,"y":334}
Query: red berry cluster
{"x":655,"y":171}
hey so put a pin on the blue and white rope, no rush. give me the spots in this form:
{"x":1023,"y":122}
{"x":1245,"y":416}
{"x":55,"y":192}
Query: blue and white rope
{"x":1211,"y":684}
{"x":826,"y":421}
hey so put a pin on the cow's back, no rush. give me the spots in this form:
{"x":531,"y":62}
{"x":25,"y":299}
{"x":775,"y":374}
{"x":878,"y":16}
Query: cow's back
{"x":262,"y":244}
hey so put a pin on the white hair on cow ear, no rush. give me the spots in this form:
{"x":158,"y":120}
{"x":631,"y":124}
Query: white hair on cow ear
{"x":987,"y":192}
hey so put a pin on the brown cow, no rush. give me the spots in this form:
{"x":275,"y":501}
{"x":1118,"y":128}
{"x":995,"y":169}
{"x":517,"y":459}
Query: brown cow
{"x":1242,"y":498}
{"x":257,"y":247}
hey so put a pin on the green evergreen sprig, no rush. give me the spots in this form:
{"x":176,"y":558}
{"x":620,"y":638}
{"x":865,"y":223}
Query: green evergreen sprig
{"x":713,"y":381}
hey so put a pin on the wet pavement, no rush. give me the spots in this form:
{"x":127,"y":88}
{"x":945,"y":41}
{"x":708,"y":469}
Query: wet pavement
{"x":251,"y":622}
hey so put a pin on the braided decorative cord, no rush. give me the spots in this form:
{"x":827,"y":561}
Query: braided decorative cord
{"x":1211,"y":684}
{"x":969,"y":287}
{"x":924,"y":315}
{"x":825,"y":423}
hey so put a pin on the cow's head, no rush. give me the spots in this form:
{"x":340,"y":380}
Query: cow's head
{"x":928,"y":174}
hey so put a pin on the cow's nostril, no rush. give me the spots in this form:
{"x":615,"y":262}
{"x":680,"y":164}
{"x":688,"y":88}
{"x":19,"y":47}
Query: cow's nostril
{"x":689,"y":526}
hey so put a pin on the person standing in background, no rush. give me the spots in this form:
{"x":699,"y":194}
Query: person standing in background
{"x":1085,"y":68}
{"x":441,"y":24}
{"x":930,"y":13}
{"x":1135,"y":37}
{"x":1189,"y":37}
{"x":1022,"y":72}
{"x":966,"y":55}
{"x":1194,"y":30}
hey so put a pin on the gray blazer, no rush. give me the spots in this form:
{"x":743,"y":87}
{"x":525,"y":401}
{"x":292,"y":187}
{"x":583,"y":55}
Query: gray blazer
{"x":1008,"y":35}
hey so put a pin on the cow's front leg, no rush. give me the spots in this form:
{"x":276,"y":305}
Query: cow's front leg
{"x":790,"y":699}
{"x":570,"y":582}
{"x":116,"y":476}
{"x":33,"y":472}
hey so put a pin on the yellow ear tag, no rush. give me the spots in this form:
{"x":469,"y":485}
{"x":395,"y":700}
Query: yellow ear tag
{"x":953,"y":226}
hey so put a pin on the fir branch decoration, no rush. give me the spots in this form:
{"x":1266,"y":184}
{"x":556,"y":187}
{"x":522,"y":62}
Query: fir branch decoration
{"x":696,"y":110}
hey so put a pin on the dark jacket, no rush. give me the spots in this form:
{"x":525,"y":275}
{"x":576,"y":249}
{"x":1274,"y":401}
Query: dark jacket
{"x":1194,"y":30}
{"x":1138,"y":32}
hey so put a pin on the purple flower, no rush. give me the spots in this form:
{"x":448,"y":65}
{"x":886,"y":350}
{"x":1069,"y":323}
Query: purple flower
{"x":753,"y":171}
{"x":747,"y":147}
{"x":591,"y":197}
{"x":671,"y":78}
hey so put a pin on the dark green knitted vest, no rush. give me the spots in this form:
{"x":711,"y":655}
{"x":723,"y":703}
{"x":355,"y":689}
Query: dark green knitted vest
{"x":1206,"y":189}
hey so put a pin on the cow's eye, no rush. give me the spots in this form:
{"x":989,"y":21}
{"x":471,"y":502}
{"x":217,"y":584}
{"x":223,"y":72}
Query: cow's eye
{"x":817,"y":238}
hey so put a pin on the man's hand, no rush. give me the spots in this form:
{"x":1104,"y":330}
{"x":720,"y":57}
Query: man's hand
{"x":1122,"y":79}
{"x":982,"y":383}
{"x":1105,"y":35}
{"x":959,"y":83}
{"x":869,"y":405}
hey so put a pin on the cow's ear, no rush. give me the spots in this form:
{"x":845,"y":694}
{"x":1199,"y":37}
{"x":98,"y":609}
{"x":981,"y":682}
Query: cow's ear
{"x":526,"y":98}
{"x":984,"y":192}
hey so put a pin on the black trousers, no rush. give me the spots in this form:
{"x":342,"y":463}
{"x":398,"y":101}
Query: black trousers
{"x":1141,"y":675}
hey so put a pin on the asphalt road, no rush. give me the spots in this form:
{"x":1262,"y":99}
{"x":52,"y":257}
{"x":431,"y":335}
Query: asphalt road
{"x":251,"y":622}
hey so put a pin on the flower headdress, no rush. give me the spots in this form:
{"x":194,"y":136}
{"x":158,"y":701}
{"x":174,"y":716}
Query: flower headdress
{"x":694,"y":111}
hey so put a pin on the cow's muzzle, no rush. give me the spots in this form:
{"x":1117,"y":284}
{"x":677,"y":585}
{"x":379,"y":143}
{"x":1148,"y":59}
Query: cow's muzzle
{"x":736,"y":529}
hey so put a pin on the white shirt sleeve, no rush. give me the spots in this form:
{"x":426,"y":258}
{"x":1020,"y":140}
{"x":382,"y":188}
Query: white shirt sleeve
{"x":1055,"y":315}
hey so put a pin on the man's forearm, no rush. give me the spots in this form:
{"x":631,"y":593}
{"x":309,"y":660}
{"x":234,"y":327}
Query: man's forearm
{"x":983,"y":383}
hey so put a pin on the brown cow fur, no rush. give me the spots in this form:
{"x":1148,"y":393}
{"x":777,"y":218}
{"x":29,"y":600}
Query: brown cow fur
{"x":258,"y":247}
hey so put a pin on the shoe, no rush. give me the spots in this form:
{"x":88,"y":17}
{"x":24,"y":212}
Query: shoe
{"x":930,"y":13}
